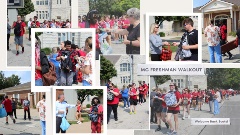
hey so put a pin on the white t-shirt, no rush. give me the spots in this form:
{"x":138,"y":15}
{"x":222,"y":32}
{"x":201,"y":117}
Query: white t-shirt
{"x":213,"y":38}
{"x":68,"y":25}
{"x":29,"y":24}
{"x":42,"y":109}
{"x":88,"y":61}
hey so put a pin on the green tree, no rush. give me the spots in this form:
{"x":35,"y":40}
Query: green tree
{"x":159,"y":19}
{"x":113,"y":7}
{"x":107,"y":69}
{"x":161,"y":79}
{"x":28,"y":8}
{"x":84,"y":93}
{"x":6,"y":82}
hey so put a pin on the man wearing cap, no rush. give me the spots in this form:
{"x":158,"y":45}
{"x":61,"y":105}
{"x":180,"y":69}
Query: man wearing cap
{"x":152,"y":95}
{"x":174,"y":109}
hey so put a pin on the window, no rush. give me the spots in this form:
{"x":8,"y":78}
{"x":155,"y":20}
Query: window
{"x":70,"y":2}
{"x":37,"y":13}
{"x":60,"y":1}
{"x":43,"y":15}
{"x":73,"y":38}
{"x":41,"y":2}
{"x":37,"y":2}
{"x":178,"y":82}
{"x":59,"y":38}
{"x":57,"y":1}
{"x":46,"y":2}
{"x":195,"y":86}
{"x":46,"y":13}
{"x":125,"y":79}
{"x":125,"y":67}
{"x":40,"y":15}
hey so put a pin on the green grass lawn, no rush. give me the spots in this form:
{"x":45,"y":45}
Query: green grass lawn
{"x":173,"y":48}
{"x":176,"y":38}
{"x":86,"y":119}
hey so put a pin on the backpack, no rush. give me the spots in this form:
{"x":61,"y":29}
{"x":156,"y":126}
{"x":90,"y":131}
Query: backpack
{"x":49,"y":76}
{"x":66,"y":64}
{"x":157,"y":105}
{"x":110,"y":96}
{"x":94,"y":117}
{"x":170,"y":99}
{"x":18,"y":29}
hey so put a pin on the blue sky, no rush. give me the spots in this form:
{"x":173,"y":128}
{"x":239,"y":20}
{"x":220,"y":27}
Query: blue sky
{"x":24,"y":75}
{"x":197,"y":3}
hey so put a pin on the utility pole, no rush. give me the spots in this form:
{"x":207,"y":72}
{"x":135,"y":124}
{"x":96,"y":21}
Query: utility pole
{"x":131,"y":68}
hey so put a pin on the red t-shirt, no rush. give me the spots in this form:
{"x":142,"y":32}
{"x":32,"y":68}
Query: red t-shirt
{"x":141,"y":90}
{"x":97,"y":36}
{"x":116,"y":98}
{"x":178,"y":97}
{"x":82,"y":53}
{"x":37,"y":23}
{"x":126,"y":21}
{"x":8,"y":105}
{"x":223,"y":28}
{"x":133,"y":91}
{"x":188,"y":96}
{"x":163,"y":102}
{"x":79,"y":107}
{"x":195,"y":94}
{"x":100,"y":110}
{"x":22,"y":27}
{"x":145,"y":86}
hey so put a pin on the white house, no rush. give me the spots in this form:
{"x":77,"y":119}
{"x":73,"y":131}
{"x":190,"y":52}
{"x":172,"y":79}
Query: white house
{"x":54,"y":39}
{"x":126,"y":66}
{"x":183,"y":81}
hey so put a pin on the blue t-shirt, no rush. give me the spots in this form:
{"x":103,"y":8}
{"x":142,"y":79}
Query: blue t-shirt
{"x":125,"y":93}
{"x":53,"y":59}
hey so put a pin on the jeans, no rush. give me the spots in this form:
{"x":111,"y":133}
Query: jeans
{"x":86,"y":83}
{"x":216,"y":107}
{"x":29,"y":116}
{"x":58,"y":73}
{"x":29,"y":35}
{"x":216,"y":49}
{"x":111,"y":108}
{"x":211,"y":106}
{"x":8,"y":37}
{"x":38,"y":82}
{"x":141,"y":98}
{"x":14,"y":112}
{"x":43,"y":125}
{"x":126,"y":101}
{"x":153,"y":115}
{"x":66,"y":78}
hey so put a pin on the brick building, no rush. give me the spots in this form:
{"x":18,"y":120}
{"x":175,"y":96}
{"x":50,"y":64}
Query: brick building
{"x":126,"y":69}
{"x":226,"y":10}
{"x":21,"y":91}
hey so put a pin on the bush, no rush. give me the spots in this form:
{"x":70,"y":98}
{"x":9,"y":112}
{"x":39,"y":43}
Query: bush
{"x":88,"y":105}
{"x":162,"y":34}
{"x":47,"y":50}
{"x":233,"y":34}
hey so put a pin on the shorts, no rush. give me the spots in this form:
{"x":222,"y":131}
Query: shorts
{"x":109,"y":33}
{"x":164,"y":109}
{"x":18,"y":40}
{"x":200,"y":100}
{"x":173,"y":111}
{"x":133,"y":101}
{"x":9,"y":113}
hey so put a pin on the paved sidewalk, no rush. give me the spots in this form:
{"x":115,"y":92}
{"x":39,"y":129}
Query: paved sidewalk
{"x":185,"y":127}
{"x":23,"y":59}
{"x":140,"y":120}
{"x":81,"y":128}
{"x":21,"y":126}
{"x":225,"y":59}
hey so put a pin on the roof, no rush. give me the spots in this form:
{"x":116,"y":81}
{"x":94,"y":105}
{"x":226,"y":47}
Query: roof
{"x":235,"y":2}
{"x":197,"y":10}
{"x":21,"y":87}
{"x":112,"y":58}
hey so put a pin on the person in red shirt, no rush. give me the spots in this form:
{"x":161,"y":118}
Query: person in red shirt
{"x":8,"y":107}
{"x":78,"y":112}
{"x":19,"y":31}
{"x":223,"y":36}
{"x":186,"y":96}
{"x":200,"y":100}
{"x":194,"y":99}
{"x":145,"y":87}
{"x":113,"y":105}
{"x":96,"y":126}
{"x":174,"y":110}
{"x":141,"y":93}
{"x":133,"y":92}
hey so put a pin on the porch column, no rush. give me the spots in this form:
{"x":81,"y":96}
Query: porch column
{"x":234,"y":21}
{"x":203,"y":19}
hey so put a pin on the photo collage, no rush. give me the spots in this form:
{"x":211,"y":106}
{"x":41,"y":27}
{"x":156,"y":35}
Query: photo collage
{"x":89,"y":67}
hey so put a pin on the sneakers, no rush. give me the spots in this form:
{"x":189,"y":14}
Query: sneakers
{"x":79,"y":122}
{"x":22,"y":49}
{"x":183,"y":118}
{"x":130,"y":113}
{"x":174,"y":133}
{"x":158,"y":129}
{"x":6,"y":123}
{"x":14,"y":121}
{"x":125,"y":107}
{"x":134,"y":112}
{"x":17,"y":53}
{"x":116,"y":119}
{"x":188,"y":116}
{"x":230,"y":56}
{"x":170,"y":132}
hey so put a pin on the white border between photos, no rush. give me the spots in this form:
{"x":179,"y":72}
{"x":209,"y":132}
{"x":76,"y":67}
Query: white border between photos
{"x":104,"y":88}
{"x":175,"y":14}
{"x":43,"y":88}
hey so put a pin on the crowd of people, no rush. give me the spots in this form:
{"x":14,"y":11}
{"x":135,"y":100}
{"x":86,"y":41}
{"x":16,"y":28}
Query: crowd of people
{"x":131,"y":96}
{"x":166,"y":103}
{"x":124,"y":29}
{"x":187,"y":47}
{"x":20,"y":29}
{"x":95,"y":114}
{"x":72,"y":64}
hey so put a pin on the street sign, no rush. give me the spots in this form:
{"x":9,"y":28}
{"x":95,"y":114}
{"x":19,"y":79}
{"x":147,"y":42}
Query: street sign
{"x":15,"y":4}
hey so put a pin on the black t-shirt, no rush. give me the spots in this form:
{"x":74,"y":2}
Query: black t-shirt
{"x":210,"y":96}
{"x":134,"y":34}
{"x":238,"y":34}
{"x":192,"y":40}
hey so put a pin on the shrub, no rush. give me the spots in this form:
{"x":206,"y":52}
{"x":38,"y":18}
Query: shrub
{"x":162,"y":34}
{"x":88,"y":105}
{"x":47,"y":50}
{"x":233,"y":34}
